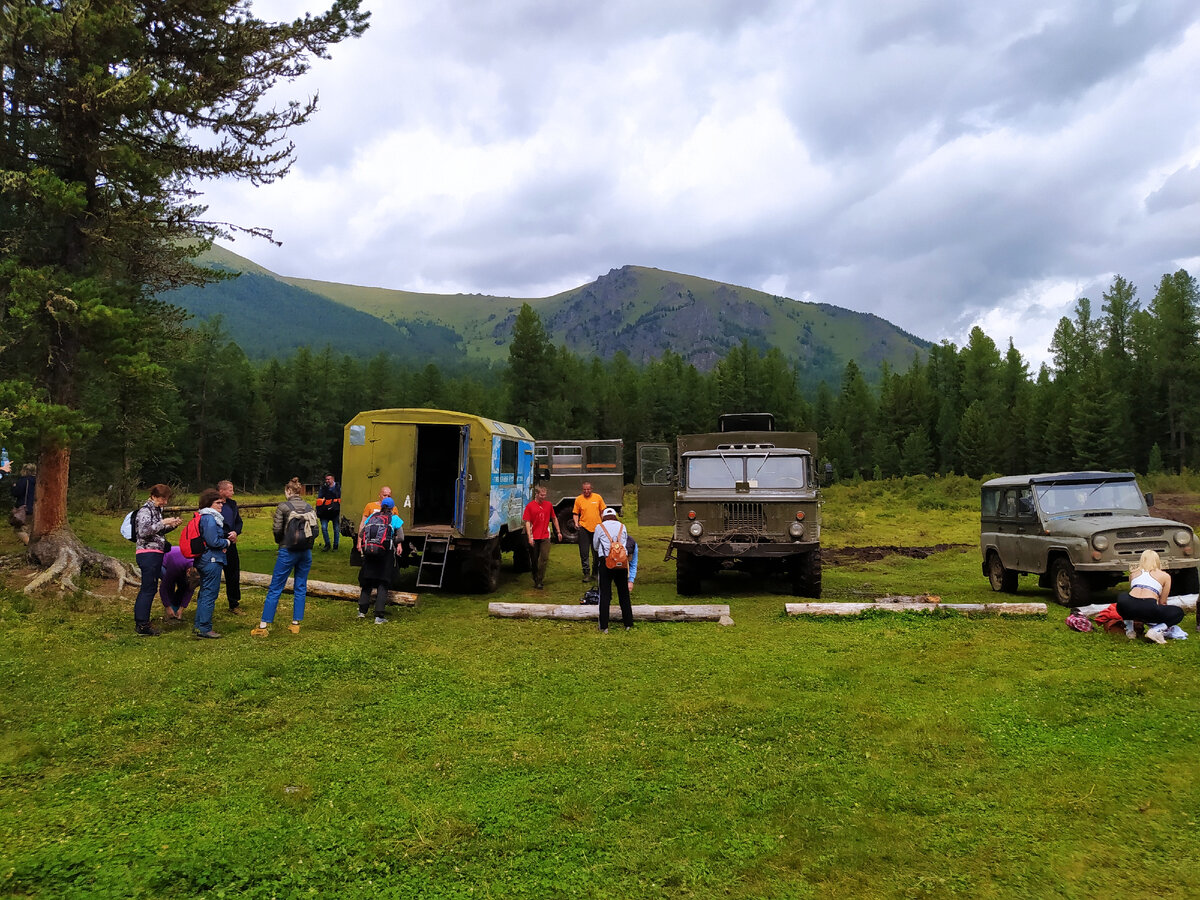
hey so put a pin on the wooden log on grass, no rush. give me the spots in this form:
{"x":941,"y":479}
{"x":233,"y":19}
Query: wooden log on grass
{"x":696,"y":612}
{"x":854,"y":609}
{"x":329,"y":589}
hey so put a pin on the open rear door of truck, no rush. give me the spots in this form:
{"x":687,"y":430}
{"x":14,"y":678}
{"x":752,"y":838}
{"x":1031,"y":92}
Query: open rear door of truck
{"x":655,"y":484}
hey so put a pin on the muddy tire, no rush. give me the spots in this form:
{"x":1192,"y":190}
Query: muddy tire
{"x":1001,"y":579}
{"x":1070,"y":588}
{"x":687,"y":574}
{"x":566,"y":524}
{"x":480,"y":570}
{"x":805,"y":570}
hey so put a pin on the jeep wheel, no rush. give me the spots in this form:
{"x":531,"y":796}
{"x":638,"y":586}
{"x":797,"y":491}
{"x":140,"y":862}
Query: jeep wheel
{"x":1002,"y":579}
{"x":687,"y":574}
{"x":1070,"y":588}
{"x":805,"y":570}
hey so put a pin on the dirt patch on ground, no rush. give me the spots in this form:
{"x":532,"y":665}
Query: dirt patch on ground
{"x":873,"y":554}
{"x":1180,"y":507}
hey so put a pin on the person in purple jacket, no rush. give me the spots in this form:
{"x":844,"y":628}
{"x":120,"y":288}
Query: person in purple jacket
{"x":177,"y":584}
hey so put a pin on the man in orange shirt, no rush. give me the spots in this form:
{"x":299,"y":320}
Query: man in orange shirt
{"x":586,"y":514}
{"x":374,"y":506}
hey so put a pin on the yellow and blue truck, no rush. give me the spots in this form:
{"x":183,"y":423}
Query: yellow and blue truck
{"x":460,"y":483}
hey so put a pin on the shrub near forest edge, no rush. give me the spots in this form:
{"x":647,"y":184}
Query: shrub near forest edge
{"x":448,"y":754}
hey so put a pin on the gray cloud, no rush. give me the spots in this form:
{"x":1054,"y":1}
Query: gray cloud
{"x":936,"y":163}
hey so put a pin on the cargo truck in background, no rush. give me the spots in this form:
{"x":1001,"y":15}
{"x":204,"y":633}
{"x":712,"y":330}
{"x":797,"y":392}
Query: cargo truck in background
{"x":563,"y":466}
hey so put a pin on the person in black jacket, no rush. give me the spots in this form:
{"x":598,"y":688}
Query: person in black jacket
{"x":233,"y":565}
{"x":24,"y":490}
{"x":329,"y":509}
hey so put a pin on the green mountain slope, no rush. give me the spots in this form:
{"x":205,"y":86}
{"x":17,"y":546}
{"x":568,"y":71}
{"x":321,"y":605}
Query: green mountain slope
{"x":642,"y":311}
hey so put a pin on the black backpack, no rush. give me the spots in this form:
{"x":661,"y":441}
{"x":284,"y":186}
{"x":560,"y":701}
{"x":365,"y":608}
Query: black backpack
{"x":377,"y":535}
{"x":300,"y":532}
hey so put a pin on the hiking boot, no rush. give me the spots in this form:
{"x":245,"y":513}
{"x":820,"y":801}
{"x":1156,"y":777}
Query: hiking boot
{"x":237,"y":611}
{"x":259,"y":631}
{"x":380,"y":620}
{"x":1158,"y":634}
{"x":146,"y":630}
{"x":294,"y":628}
{"x":1175,"y":633}
{"x":207,"y":634}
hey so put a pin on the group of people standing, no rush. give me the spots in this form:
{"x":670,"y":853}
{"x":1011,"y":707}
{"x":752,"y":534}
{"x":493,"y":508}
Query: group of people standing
{"x":213,"y":555}
{"x":597,"y":530}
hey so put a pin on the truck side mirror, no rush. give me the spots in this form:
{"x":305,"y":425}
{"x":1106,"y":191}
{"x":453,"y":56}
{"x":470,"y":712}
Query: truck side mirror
{"x":1149,"y":495}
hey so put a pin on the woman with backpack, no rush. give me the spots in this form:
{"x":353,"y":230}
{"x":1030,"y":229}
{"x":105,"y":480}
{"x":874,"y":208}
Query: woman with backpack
{"x":617,"y":566}
{"x":210,"y":561}
{"x":148,"y":527}
{"x":295,"y":528}
{"x":379,"y":541}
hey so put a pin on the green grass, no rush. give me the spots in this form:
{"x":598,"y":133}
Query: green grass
{"x":448,"y":754}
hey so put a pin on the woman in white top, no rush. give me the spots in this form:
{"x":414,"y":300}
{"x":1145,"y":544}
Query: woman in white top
{"x":1146,"y":600}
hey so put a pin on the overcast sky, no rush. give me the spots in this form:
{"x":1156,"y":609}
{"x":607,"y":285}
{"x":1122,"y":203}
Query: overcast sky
{"x":940,"y":164}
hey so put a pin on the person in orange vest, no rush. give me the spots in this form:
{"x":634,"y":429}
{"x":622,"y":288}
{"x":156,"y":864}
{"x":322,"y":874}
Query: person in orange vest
{"x":329,"y":509}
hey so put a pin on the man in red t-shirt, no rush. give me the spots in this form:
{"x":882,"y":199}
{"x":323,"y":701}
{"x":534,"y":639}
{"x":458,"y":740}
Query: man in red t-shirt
{"x":539,"y":519}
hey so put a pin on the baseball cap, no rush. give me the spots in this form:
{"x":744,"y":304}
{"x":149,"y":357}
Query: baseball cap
{"x":608,"y":511}
{"x":387,"y":503}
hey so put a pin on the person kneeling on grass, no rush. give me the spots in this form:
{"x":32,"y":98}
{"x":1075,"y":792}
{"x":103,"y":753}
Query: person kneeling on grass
{"x":1146,"y":601}
{"x":379,"y":541}
{"x":295,"y":528}
{"x":211,"y":563}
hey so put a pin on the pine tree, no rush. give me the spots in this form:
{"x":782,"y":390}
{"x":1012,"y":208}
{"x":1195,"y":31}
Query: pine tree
{"x":530,"y":358}
{"x":111,"y":114}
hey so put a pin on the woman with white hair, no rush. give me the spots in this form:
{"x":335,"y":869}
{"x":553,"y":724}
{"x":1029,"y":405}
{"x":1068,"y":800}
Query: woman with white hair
{"x":1146,"y":601}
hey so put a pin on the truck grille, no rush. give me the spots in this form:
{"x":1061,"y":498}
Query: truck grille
{"x":743,"y":517}
{"x":1132,"y":541}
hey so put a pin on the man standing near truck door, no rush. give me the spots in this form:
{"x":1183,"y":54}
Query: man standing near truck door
{"x":586,"y":513}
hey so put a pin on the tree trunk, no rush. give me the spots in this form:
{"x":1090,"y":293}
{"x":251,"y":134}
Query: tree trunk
{"x":330,"y":589}
{"x":854,"y":609}
{"x":50,"y":505}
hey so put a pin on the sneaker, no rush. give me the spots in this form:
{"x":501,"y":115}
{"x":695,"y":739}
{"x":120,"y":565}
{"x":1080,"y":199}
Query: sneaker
{"x":237,"y":611}
{"x":259,"y":631}
{"x":361,"y":614}
{"x":1158,"y":634}
{"x":207,"y":634}
{"x":1176,"y":633}
{"x":380,"y":620}
{"x":604,"y":631}
{"x":294,"y":628}
{"x":1130,"y":631}
{"x":146,"y":630}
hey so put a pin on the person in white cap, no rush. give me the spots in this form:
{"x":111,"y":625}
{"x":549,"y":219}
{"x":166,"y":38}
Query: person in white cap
{"x":612,"y":539}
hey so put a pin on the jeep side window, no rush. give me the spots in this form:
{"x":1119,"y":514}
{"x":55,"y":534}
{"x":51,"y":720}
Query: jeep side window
{"x":989,"y":502}
{"x":1025,"y":503}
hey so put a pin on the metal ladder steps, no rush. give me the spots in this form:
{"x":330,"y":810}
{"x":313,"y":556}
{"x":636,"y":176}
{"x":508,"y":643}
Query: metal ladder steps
{"x":434,"y":556}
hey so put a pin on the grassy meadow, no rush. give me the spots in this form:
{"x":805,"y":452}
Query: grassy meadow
{"x":447,"y":754}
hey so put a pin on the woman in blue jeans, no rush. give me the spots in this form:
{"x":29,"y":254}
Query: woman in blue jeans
{"x":211,"y":563}
{"x":289,"y":559}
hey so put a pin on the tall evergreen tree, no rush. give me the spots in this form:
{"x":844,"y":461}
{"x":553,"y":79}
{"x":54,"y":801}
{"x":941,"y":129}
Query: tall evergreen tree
{"x":530,"y":368}
{"x":111,"y":113}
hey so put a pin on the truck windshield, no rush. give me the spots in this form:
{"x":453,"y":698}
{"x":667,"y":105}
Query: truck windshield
{"x":716,"y":472}
{"x":1103,"y":496}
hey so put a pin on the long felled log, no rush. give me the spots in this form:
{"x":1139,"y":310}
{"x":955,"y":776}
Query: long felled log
{"x":330,"y":589}
{"x":704,"y":612}
{"x":854,"y":609}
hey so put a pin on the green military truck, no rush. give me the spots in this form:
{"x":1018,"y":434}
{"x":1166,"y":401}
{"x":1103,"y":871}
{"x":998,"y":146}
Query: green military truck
{"x":460,"y":483}
{"x":744,"y":497}
{"x":563,"y":466}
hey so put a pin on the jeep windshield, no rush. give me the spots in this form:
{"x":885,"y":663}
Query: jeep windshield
{"x":1090,"y":498}
{"x":723,"y":471}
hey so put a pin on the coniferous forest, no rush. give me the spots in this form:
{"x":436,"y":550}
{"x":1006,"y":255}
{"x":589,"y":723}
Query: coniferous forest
{"x":1117,"y":394}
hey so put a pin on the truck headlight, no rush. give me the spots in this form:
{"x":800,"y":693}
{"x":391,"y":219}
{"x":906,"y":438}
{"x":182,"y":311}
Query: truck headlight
{"x":1100,"y":542}
{"x":796,"y":530}
{"x":695,"y":529}
{"x":1183,"y":538}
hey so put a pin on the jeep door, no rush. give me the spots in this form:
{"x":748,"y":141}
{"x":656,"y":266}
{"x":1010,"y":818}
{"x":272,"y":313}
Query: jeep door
{"x":1009,"y":530}
{"x":656,"y":484}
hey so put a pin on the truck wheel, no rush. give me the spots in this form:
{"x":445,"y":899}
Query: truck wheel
{"x":480,"y":569}
{"x":1070,"y":588}
{"x":806,"y":574}
{"x":521,"y":560}
{"x":566,"y":524}
{"x":687,"y":574}
{"x":1002,"y":580}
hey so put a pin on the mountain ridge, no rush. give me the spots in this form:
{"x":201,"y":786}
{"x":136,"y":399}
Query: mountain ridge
{"x":640,"y":310}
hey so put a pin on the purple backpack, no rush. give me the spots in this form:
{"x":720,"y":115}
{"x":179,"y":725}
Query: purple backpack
{"x":1077,"y":621}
